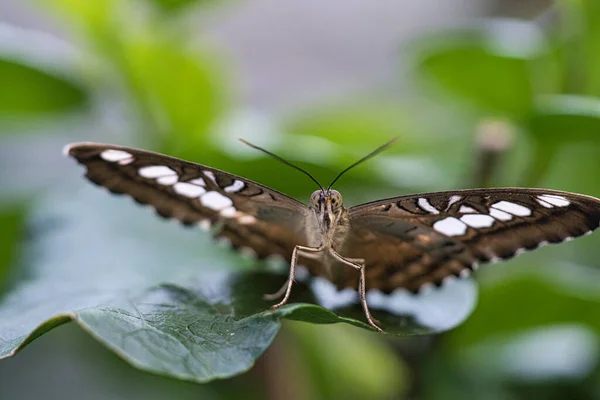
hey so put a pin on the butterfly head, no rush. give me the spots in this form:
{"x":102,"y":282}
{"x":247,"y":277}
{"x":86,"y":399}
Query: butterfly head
{"x":327,"y":205}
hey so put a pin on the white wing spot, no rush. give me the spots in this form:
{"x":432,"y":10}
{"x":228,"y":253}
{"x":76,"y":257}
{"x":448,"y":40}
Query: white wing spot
{"x":448,"y":279}
{"x":126,"y":161}
{"x":216,"y":201}
{"x":450,"y":226}
{"x":247,"y":252}
{"x":198,"y":181}
{"x":512,"y":208}
{"x":156,"y":171}
{"x":453,"y":199}
{"x":500,"y":215}
{"x":246,"y":219}
{"x":544,"y":203}
{"x":425,"y":205}
{"x":519,"y":251}
{"x":465,"y":273}
{"x":210,"y":176}
{"x":167,"y":180}
{"x":236,"y":186}
{"x":494,"y":260}
{"x":204,"y":225}
{"x":113,"y":155}
{"x":188,"y":190}
{"x":555,"y":200}
{"x":466,"y":209}
{"x":478,"y":220}
{"x":223,"y":242}
{"x":228,"y":212}
{"x":426,"y":288}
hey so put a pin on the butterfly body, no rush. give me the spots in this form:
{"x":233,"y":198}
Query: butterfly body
{"x":327,"y":228}
{"x":407,"y":242}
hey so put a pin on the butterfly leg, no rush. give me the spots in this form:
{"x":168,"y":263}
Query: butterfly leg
{"x":359,"y":264}
{"x":287,"y":286}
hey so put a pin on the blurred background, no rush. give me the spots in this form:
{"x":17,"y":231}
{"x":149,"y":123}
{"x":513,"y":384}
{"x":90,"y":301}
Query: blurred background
{"x":481,"y":93}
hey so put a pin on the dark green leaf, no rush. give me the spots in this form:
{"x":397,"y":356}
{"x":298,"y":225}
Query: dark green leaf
{"x":11,"y":231}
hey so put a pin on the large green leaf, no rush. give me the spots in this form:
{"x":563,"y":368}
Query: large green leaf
{"x":167,"y":299}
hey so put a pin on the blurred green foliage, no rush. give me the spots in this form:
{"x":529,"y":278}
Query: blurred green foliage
{"x":142,"y":61}
{"x":28,"y":91}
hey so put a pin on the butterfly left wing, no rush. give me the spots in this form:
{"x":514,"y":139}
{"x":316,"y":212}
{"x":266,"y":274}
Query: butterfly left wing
{"x":421,"y":239}
{"x":246,"y":213}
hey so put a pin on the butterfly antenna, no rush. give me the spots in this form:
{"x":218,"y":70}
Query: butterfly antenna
{"x":365,"y":158}
{"x":275,"y":156}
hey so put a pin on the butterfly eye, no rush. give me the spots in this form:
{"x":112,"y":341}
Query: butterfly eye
{"x":314,"y":199}
{"x":336,"y":198}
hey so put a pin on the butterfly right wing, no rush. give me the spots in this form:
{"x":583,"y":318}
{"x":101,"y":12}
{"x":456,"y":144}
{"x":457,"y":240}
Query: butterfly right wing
{"x":246,"y":213}
{"x":420,"y":239}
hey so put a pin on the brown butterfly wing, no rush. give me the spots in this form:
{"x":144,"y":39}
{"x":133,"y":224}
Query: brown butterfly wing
{"x":411,"y":241}
{"x":246,"y":213}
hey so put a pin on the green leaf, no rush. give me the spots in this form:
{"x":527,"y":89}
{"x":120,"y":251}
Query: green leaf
{"x":11,"y":222}
{"x":168,"y":300}
{"x":579,"y":44}
{"x":175,"y":5}
{"x":36,"y":76}
{"x":175,"y":87}
{"x":562,"y":119}
{"x":27,"y":91}
{"x":181,"y":91}
{"x":491,"y":65}
{"x":559,"y":121}
{"x":99,"y":374}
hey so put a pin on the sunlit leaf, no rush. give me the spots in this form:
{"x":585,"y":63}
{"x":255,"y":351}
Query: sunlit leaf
{"x":492,"y":65}
{"x":180,"y":90}
{"x":175,"y":86}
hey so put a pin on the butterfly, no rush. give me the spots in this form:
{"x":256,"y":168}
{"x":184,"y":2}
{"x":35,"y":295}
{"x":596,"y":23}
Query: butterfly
{"x":410,"y":242}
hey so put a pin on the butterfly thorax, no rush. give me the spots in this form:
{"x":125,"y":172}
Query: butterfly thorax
{"x":328,"y":226}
